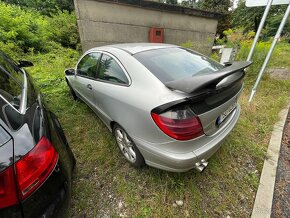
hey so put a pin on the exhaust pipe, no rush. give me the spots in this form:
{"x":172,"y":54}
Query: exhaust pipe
{"x":201,"y":165}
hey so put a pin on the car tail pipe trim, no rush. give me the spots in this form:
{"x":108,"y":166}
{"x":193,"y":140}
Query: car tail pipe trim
{"x":201,"y":165}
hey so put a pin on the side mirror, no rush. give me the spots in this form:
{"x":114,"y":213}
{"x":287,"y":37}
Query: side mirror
{"x":23,"y":63}
{"x":69,"y":72}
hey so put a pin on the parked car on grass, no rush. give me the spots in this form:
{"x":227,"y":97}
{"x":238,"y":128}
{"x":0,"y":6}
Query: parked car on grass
{"x":167,"y":106}
{"x":36,"y":161}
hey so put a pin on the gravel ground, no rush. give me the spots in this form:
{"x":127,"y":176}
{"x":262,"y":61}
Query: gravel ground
{"x":281,"y":200}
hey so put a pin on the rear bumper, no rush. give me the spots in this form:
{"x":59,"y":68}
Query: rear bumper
{"x":201,"y":148}
{"x":59,"y":205}
{"x":52,"y":198}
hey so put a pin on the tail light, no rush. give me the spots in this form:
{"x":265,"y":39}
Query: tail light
{"x":8,"y":193}
{"x":34,"y":168}
{"x":179,"y":123}
{"x":31,"y":171}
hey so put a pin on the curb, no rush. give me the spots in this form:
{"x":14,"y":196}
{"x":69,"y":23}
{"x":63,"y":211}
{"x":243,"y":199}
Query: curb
{"x":264,"y":197}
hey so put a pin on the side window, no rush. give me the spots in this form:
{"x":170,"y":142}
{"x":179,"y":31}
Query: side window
{"x":10,"y":66}
{"x":88,"y":65}
{"x":10,"y":89}
{"x":110,"y":70}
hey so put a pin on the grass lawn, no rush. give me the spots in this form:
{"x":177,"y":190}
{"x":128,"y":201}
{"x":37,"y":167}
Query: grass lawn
{"x":105,"y":185}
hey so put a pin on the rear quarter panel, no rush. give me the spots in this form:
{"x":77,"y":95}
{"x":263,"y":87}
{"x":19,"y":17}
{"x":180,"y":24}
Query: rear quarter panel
{"x":131,"y":106}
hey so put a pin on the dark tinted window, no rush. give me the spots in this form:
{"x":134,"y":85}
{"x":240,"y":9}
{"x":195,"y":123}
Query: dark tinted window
{"x":10,"y":89}
{"x":110,"y":70}
{"x":88,"y":65}
{"x":171,"y":64}
{"x":11,"y":80}
{"x":10,"y":66}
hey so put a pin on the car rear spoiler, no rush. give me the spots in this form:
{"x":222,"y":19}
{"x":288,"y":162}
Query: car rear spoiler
{"x":216,"y":80}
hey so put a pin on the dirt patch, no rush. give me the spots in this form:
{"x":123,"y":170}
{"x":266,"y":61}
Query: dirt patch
{"x":279,"y":73}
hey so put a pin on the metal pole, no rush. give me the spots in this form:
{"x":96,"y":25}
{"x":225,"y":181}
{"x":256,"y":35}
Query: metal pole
{"x":266,"y":12}
{"x":277,"y":36}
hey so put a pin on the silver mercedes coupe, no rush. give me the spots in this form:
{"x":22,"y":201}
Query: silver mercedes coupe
{"x":167,"y":106}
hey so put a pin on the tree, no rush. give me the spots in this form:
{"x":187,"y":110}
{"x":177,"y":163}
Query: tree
{"x":218,"y":6}
{"x":249,"y":18}
{"x":189,"y":3}
{"x":172,"y":2}
{"x":273,"y":25}
{"x":47,"y":7}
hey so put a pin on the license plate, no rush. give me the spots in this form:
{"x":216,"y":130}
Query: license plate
{"x":224,"y":115}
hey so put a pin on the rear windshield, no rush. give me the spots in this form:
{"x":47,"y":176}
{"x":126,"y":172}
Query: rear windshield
{"x":10,"y":88}
{"x":11,"y":82}
{"x":169,"y":64}
{"x":11,"y":67}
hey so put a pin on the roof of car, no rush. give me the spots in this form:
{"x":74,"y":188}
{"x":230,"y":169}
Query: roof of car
{"x":134,"y":48}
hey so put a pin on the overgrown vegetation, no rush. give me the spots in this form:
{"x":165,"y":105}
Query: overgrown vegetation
{"x":47,"y":7}
{"x":26,"y":30}
{"x":249,"y":19}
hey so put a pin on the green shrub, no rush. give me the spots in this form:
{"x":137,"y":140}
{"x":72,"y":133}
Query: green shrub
{"x":23,"y":28}
{"x":273,"y":25}
{"x":45,"y":7}
{"x":259,"y":55}
{"x":29,"y":31}
{"x":10,"y":48}
{"x":64,"y":29}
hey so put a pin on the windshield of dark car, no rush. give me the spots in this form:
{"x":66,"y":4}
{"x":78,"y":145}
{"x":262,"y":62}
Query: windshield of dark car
{"x":169,"y":64}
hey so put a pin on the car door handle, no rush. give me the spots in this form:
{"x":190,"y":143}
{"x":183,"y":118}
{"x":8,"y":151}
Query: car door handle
{"x":89,"y":86}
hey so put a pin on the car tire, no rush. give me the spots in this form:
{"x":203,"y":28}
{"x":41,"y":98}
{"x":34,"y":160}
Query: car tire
{"x":72,"y":92}
{"x":127,"y":147}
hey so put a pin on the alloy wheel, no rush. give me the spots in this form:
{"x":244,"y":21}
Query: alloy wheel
{"x":125,"y":145}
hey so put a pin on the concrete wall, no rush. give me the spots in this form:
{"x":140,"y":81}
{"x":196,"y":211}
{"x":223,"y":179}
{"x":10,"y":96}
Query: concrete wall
{"x":109,"y":22}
